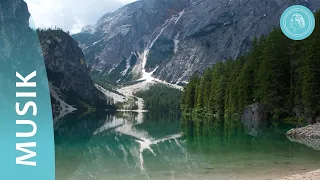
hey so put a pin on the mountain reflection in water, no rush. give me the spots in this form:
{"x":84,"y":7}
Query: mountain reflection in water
{"x":160,"y":146}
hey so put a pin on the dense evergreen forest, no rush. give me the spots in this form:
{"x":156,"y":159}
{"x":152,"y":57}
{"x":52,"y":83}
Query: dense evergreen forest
{"x":161,"y":98}
{"x":280,"y":73}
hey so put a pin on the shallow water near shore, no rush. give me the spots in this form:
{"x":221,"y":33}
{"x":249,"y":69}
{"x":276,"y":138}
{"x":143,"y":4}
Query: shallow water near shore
{"x":163,"y":146}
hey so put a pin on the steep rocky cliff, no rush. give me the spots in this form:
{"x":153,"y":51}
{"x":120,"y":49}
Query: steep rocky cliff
{"x":70,"y":83}
{"x":175,"y":38}
{"x":14,"y":10}
{"x":71,"y":86}
{"x":14,"y":24}
{"x":115,"y":46}
{"x":15,"y":35}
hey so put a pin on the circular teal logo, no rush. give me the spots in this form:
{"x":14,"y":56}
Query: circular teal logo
{"x":297,"y":22}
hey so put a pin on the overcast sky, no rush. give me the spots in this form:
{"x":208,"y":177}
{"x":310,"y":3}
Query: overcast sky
{"x":71,"y":15}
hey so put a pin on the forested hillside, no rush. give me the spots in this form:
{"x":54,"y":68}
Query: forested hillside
{"x":161,"y":98}
{"x":280,"y":73}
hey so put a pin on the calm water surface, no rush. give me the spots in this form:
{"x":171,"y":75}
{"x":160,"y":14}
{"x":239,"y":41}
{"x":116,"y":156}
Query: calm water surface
{"x":159,"y":146}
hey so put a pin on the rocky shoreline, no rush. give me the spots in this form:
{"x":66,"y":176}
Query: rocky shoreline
{"x":311,"y":131}
{"x":309,"y":136}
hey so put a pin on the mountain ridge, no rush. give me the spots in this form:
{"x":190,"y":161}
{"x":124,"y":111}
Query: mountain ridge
{"x":202,"y":34}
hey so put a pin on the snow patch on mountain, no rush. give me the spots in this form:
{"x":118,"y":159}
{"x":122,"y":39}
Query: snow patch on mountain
{"x":114,"y":96}
{"x":176,"y":42}
{"x":180,"y":15}
{"x":124,"y":72}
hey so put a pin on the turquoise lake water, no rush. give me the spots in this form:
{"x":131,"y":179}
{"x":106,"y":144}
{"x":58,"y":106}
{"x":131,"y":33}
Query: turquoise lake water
{"x":163,"y":146}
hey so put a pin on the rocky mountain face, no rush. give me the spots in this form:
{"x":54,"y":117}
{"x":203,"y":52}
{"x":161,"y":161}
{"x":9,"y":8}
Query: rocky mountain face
{"x":15,"y":35}
{"x":14,"y":17}
{"x":14,"y":10}
{"x":71,"y":86}
{"x":175,"y":38}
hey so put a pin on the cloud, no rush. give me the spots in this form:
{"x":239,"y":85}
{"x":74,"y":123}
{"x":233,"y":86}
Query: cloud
{"x":70,"y":15}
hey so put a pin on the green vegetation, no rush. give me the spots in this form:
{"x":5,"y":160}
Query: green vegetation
{"x":160,"y":124}
{"x":130,"y":104}
{"x":105,"y":85}
{"x":88,"y":109}
{"x":278,"y":72}
{"x":229,"y":137}
{"x":131,"y":83}
{"x":160,"y":98}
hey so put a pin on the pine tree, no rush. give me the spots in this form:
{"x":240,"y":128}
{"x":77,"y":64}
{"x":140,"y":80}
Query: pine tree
{"x":311,"y":74}
{"x":191,"y":93}
{"x":273,"y":74}
{"x":280,"y":73}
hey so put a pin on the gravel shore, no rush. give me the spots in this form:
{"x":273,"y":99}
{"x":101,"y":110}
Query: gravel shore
{"x":314,"y":175}
{"x":309,"y":136}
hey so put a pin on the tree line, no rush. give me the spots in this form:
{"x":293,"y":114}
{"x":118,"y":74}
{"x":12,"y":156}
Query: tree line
{"x":161,"y":98}
{"x":280,"y":73}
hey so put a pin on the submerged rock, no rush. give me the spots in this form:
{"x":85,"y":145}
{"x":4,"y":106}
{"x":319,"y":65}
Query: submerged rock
{"x":309,"y":136}
{"x":254,"y":118}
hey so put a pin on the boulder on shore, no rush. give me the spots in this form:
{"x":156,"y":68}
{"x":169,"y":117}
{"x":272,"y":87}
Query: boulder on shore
{"x":318,"y":119}
{"x":255,"y":118}
{"x":311,"y":131}
{"x":309,"y":136}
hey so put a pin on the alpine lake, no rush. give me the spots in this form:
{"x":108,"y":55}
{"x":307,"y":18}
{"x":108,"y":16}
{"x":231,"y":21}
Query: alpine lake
{"x":166,"y":146}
